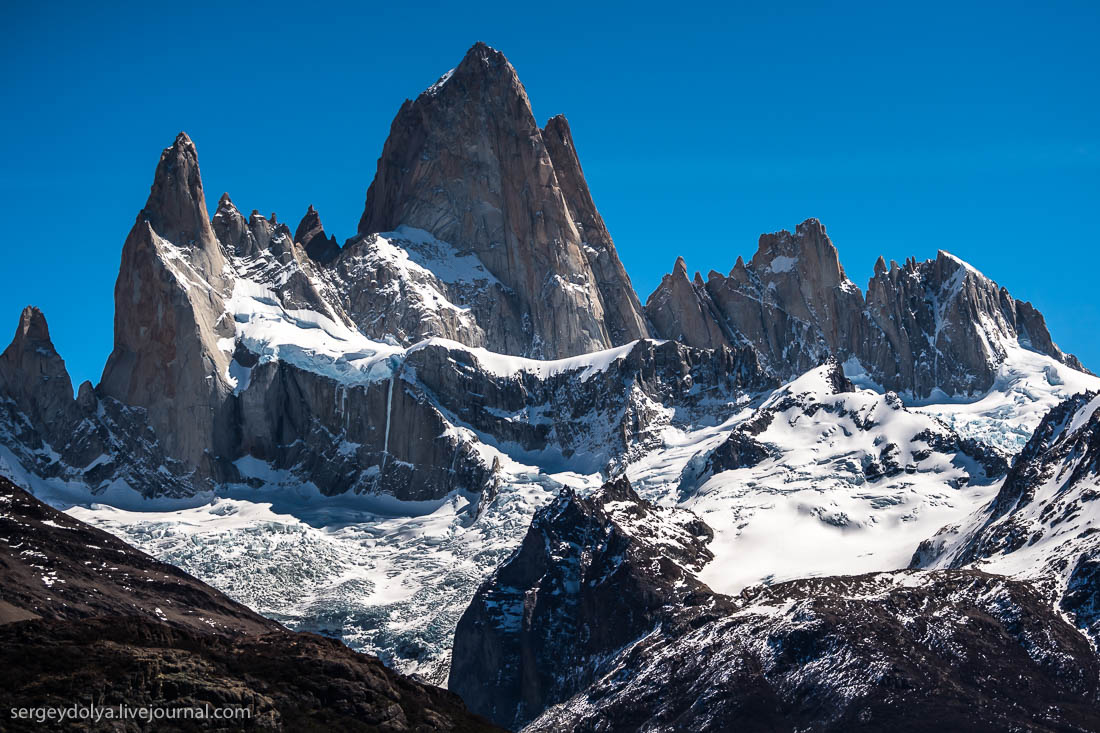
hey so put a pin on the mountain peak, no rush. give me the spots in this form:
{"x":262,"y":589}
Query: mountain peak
{"x":176,"y":207}
{"x":32,"y":326}
{"x":32,"y":371}
{"x":467,"y":162}
{"x":311,"y":235}
{"x":484,"y":53}
{"x":811,"y":225}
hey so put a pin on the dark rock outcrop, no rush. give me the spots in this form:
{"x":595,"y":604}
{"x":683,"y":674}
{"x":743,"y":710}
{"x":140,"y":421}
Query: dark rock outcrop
{"x":311,"y":235}
{"x":591,"y":576}
{"x":595,"y":418}
{"x":57,"y":568}
{"x":908,"y":651}
{"x":382,"y":437}
{"x":600,"y":604}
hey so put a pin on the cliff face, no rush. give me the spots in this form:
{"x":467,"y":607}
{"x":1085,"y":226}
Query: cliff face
{"x":467,"y":162}
{"x":33,"y":374}
{"x":591,"y":576}
{"x":170,"y":314}
{"x":941,"y":324}
{"x":935,"y":325}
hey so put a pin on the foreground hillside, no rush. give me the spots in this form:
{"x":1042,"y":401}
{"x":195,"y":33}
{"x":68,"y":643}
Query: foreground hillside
{"x":86,"y":619}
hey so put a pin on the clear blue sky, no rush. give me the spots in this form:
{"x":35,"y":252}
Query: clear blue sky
{"x":969,"y":127}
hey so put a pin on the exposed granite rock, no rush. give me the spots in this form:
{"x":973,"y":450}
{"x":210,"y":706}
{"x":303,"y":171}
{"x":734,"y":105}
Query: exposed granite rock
{"x":33,"y":374}
{"x":939,"y":324}
{"x":942,"y":324}
{"x":467,"y":162}
{"x":682,"y":311}
{"x":92,"y":439}
{"x":311,"y":235}
{"x":622,"y":312}
{"x":170,"y":315}
{"x":383,"y":437}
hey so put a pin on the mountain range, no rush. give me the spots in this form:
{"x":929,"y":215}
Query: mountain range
{"x":459,"y":441}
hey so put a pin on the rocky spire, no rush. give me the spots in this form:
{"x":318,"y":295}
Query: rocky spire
{"x":170,"y":313}
{"x":176,"y":208}
{"x":467,"y":162}
{"x":943,"y":324}
{"x":311,"y":235}
{"x":792,"y":302}
{"x":32,"y":372}
{"x":622,"y":310}
{"x":682,"y":311}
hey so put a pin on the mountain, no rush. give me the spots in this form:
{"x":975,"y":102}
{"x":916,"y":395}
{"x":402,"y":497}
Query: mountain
{"x":936,"y":327}
{"x":583,"y":560}
{"x":1044,"y":522}
{"x":81,"y":610}
{"x":467,"y":163}
{"x":169,"y":305}
{"x":353,"y":440}
{"x":597,"y":623}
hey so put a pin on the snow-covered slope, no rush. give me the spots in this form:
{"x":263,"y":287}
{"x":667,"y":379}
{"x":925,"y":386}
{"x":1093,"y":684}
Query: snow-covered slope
{"x":1044,"y":522}
{"x":825,"y":479}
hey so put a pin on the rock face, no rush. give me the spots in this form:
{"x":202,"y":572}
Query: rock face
{"x":467,"y":162}
{"x":934,"y":325}
{"x":599,"y":620}
{"x":532,"y":634}
{"x":170,"y":315}
{"x":382,"y":437}
{"x":942,"y":324}
{"x":33,"y":374}
{"x":683,"y":311}
{"x":234,"y":344}
{"x":1043,"y":522}
{"x":311,"y":235}
{"x":92,"y":439}
{"x":623,"y":313}
{"x":951,"y":650}
{"x":594,"y":419}
{"x":82,"y":610}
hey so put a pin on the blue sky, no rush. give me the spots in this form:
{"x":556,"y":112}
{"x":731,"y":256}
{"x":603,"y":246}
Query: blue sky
{"x":973,"y":128}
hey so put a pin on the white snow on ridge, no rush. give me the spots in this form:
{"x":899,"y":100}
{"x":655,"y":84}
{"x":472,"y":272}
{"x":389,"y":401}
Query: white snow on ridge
{"x":416,"y":248}
{"x":813,"y":510}
{"x":782,"y":263}
{"x":306,"y":338}
{"x":503,"y":365}
{"x":1028,"y":384}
